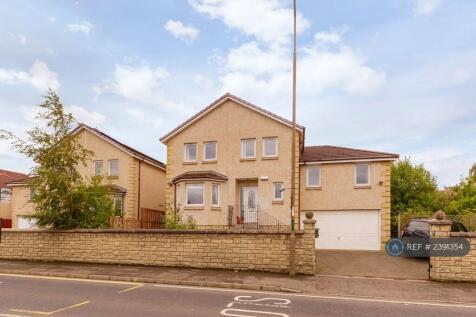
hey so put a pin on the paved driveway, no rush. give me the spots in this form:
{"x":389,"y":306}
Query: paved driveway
{"x":370,"y":264}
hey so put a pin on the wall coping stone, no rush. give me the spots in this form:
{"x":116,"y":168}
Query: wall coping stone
{"x":463,"y":234}
{"x":156,"y":231}
{"x":440,"y":222}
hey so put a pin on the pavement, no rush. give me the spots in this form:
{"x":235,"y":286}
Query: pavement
{"x":322,"y":285}
{"x":371,"y":264}
{"x":30,"y":296}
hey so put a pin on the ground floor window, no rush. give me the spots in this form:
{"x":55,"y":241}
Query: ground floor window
{"x":118,"y":205}
{"x":215,"y":195}
{"x":194,"y":194}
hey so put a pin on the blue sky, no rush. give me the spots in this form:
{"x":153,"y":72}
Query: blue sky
{"x":396,"y":76}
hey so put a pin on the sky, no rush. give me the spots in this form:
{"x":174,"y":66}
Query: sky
{"x":396,"y":75}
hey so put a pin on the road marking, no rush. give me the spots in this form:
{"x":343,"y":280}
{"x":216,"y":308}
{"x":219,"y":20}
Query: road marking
{"x":50,"y":312}
{"x":240,"y":312}
{"x":333,"y":297}
{"x":130,"y":289}
{"x":9,"y":315}
{"x":69,"y":279}
{"x":373,"y":278}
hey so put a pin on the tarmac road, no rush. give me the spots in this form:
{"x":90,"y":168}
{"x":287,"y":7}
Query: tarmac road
{"x":46,"y":296}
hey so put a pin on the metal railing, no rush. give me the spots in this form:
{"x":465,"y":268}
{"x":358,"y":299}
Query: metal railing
{"x":252,"y":217}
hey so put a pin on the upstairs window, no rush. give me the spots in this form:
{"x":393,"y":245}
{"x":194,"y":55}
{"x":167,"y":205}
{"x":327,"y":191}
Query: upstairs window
{"x":98,"y":168}
{"x":215,"y":195}
{"x":362,"y":174}
{"x":270,"y":147}
{"x":194,"y":194}
{"x":113,"y":167}
{"x":190,"y":152}
{"x":248,"y":148}
{"x":5,"y":195}
{"x":278,"y":191}
{"x":313,"y":176}
{"x":32,"y":192}
{"x":210,"y":151}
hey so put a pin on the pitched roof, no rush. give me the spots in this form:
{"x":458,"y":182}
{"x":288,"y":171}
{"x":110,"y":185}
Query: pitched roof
{"x":200,"y":175}
{"x":119,"y":145}
{"x":9,"y":176}
{"x":323,"y":153}
{"x":221,"y":101}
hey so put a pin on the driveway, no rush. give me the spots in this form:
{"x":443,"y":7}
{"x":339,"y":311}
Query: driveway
{"x":370,"y":264}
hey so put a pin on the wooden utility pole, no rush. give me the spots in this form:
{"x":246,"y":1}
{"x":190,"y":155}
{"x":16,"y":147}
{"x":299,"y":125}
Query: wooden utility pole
{"x":292,"y":240}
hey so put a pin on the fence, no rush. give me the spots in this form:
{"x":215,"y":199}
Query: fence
{"x":148,"y":219}
{"x":5,"y":223}
{"x":252,"y":217}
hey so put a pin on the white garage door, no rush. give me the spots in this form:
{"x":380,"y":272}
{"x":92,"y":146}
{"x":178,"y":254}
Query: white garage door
{"x":350,"y":230}
{"x":24,"y":223}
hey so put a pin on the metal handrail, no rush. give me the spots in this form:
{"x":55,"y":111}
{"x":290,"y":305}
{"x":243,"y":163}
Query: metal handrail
{"x":252,"y":217}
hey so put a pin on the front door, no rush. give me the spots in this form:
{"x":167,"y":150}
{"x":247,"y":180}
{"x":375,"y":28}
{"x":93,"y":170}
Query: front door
{"x":249,"y":204}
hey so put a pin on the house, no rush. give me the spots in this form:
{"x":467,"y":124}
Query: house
{"x":229,"y":165}
{"x":136,"y":181}
{"x":5,"y":192}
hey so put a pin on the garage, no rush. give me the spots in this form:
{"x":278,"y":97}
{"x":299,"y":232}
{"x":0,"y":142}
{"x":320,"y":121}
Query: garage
{"x":348,"y":230}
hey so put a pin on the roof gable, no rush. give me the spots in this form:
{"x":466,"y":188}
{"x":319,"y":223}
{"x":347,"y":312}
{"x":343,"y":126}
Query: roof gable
{"x":9,"y":176}
{"x":220,"y":101}
{"x":121,"y":146}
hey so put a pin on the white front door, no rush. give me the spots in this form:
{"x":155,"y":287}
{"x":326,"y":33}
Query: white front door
{"x":349,"y":229}
{"x":249,"y":204}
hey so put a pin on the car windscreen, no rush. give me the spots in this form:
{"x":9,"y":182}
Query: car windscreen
{"x":418,"y":225}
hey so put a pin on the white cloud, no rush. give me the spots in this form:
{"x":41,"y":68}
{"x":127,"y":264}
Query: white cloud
{"x":84,"y":27}
{"x":269,"y":21}
{"x":84,"y":115}
{"x":39,"y":76}
{"x":142,"y":84}
{"x":22,"y":39}
{"x":326,"y":65}
{"x":427,"y":7}
{"x":181,"y":31}
{"x":203,"y":81}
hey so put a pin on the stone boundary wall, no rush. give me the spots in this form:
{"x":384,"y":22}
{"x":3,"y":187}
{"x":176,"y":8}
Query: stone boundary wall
{"x":453,"y":268}
{"x":217,"y":249}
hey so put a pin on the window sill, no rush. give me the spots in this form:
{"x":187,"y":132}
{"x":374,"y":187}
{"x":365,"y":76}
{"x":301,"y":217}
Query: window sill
{"x":217,"y":208}
{"x":270,"y":158}
{"x":113,"y":177}
{"x":362,"y":187}
{"x":244,"y":159}
{"x":201,"y":207}
{"x":278,"y":202}
{"x":209,"y":162}
{"x":190,"y":163}
{"x":314,"y":187}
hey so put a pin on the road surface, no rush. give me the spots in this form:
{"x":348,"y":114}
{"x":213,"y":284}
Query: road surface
{"x":34,"y":296}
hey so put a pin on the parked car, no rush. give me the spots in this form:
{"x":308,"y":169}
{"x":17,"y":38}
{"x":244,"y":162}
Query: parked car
{"x":420,"y":228}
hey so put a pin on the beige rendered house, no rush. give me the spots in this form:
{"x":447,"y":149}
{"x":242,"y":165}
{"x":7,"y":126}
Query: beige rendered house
{"x":230,"y":165}
{"x":136,"y":181}
{"x":6,"y":194}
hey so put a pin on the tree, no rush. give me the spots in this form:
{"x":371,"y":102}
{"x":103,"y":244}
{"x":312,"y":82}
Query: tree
{"x":413,"y":188}
{"x":63,"y":199}
{"x":464,"y":195}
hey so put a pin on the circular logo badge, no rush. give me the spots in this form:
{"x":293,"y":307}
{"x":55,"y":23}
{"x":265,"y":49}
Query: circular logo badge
{"x":394,"y":247}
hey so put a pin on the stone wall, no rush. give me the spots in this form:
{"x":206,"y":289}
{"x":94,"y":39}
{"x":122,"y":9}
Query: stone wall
{"x":453,"y":268}
{"x":224,"y":249}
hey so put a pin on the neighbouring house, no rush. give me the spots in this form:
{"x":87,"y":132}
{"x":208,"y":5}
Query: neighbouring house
{"x":230,"y":165}
{"x":136,"y":181}
{"x":6,"y":193}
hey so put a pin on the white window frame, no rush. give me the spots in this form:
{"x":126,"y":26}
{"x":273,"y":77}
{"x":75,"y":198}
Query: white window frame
{"x":122,"y":204}
{"x":281,"y":198}
{"x":205,"y":151}
{"x":185,"y":152}
{"x":243,"y":152}
{"x":94,"y":167}
{"x":5,"y":195}
{"x":368,"y":174}
{"x":276,"y":146}
{"x":309,"y":167}
{"x":31,"y":192}
{"x":218,"y":195}
{"x":203,"y":194}
{"x":109,"y":167}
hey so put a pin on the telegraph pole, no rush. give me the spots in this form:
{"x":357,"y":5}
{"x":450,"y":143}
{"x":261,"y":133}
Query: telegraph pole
{"x":292,"y":240}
